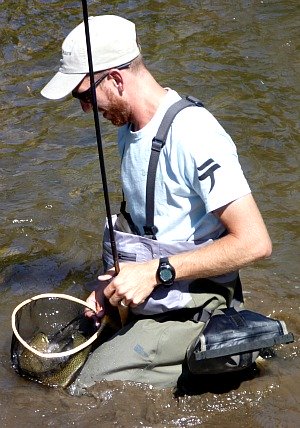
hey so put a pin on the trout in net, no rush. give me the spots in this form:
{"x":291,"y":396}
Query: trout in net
{"x":39,"y":368}
{"x":53,"y":337}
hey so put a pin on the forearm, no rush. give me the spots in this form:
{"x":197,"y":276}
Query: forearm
{"x":136,"y":281}
{"x":222,"y":256}
{"x":246,"y":242}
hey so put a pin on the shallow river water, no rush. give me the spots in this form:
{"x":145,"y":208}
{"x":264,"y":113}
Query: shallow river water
{"x":240,"y":58}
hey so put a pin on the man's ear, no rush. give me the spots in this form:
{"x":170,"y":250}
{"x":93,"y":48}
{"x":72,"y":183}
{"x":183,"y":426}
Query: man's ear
{"x":118,"y":79}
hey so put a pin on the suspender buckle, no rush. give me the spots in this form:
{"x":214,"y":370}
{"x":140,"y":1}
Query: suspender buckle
{"x":157,"y":144}
{"x":150,"y":231}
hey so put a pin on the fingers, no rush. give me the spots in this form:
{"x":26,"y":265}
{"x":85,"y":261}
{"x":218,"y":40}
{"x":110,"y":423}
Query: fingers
{"x":116,"y":300}
{"x":122,"y":301}
{"x":96,"y":310}
{"x":96,"y":298}
{"x":107,"y":277}
{"x":95,"y":317}
{"x":115,"y":297}
{"x":108,"y":287}
{"x":121,"y":290}
{"x":126,"y":287}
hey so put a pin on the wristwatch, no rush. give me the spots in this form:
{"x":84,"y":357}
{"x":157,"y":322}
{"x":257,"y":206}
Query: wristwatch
{"x":165,"y":273}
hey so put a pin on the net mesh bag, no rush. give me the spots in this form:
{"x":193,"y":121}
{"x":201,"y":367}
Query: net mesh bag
{"x":52,"y":338}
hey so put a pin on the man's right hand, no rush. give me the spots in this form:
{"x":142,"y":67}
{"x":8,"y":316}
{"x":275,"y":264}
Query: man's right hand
{"x":96,"y":301}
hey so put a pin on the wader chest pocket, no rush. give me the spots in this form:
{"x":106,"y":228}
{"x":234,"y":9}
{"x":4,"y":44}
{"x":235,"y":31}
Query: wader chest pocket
{"x":126,"y":257}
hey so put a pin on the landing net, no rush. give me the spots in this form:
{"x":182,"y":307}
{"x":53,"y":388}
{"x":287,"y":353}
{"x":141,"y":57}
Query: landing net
{"x":52,"y":338}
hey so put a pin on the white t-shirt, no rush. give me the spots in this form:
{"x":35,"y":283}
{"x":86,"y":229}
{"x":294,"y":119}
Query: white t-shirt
{"x":198,"y":172}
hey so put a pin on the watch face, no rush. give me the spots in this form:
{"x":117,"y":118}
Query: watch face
{"x":166,"y":274}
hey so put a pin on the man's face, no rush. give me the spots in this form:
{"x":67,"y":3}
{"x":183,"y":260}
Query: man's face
{"x":109,"y":100}
{"x":117,"y":110}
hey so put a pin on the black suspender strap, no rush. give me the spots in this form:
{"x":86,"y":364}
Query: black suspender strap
{"x":157,"y":144}
{"x":133,"y":228}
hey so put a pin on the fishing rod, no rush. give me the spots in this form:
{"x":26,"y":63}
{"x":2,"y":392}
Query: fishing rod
{"x":122,"y":310}
{"x":98,"y":136}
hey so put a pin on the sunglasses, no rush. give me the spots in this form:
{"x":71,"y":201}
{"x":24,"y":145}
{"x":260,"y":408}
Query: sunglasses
{"x":86,"y":96}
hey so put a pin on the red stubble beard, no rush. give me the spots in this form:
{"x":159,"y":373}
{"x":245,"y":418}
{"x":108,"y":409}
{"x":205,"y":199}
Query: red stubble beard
{"x":118,"y":112}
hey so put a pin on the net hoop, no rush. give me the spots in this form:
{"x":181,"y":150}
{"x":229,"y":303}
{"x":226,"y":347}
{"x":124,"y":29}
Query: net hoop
{"x":52,"y":354}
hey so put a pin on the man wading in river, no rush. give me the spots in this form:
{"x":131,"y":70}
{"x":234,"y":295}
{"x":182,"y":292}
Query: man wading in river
{"x":207,"y":225}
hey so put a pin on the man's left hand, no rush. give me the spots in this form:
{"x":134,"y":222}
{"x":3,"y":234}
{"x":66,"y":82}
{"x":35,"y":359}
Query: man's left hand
{"x":133,"y":284}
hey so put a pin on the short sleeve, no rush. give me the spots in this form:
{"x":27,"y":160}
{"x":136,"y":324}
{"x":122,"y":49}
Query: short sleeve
{"x":211,"y":163}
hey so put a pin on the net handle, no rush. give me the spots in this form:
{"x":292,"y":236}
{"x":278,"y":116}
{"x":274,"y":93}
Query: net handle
{"x":52,"y":354}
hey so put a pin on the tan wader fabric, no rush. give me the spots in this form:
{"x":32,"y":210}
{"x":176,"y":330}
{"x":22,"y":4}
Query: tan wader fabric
{"x":146,"y":351}
{"x":150,"y":352}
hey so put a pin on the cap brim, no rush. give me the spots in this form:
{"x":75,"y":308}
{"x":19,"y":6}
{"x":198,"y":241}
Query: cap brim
{"x":61,"y":85}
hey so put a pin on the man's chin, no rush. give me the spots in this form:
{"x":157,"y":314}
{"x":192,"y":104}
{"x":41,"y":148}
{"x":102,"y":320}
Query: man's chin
{"x":115,"y":120}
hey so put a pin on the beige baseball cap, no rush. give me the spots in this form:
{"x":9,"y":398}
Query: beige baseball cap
{"x":113,"y":43}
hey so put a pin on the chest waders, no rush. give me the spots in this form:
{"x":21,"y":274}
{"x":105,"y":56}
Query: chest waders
{"x":232,"y":337}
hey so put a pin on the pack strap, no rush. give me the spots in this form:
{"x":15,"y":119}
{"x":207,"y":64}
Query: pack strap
{"x":158,"y":143}
{"x":133,"y":228}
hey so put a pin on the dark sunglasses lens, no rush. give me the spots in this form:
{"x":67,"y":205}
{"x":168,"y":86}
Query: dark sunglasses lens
{"x":83,"y":96}
{"x":86,"y":96}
